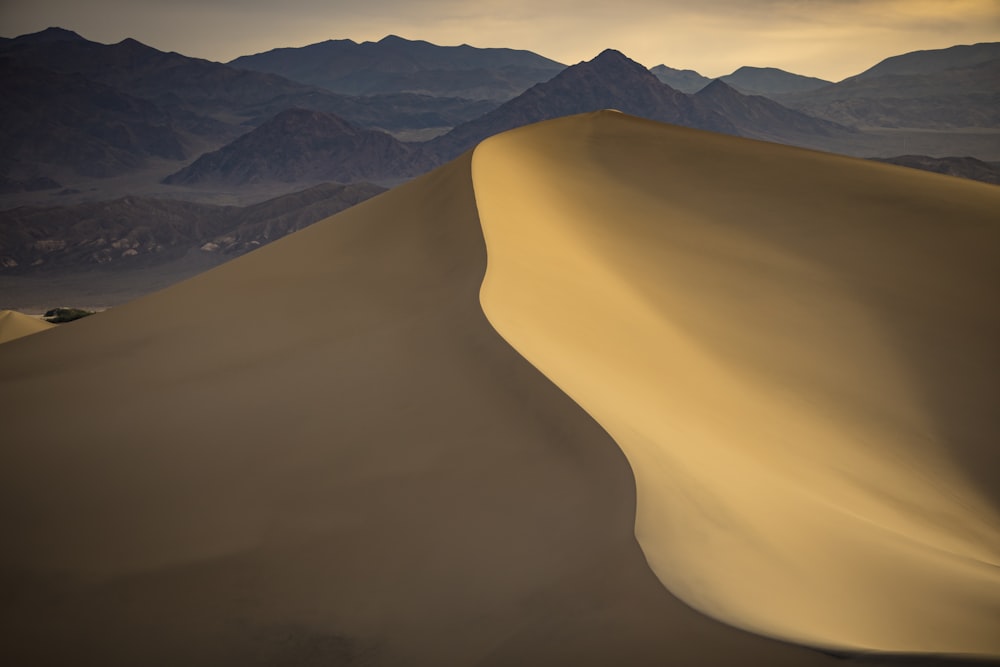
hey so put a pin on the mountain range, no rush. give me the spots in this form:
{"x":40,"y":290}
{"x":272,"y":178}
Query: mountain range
{"x":771,"y":81}
{"x":192,"y":89}
{"x":612,"y":80}
{"x":303,"y":146}
{"x":747,"y":80}
{"x":609,"y":81}
{"x":941,"y":89}
{"x":77,"y":110}
{"x":62,"y":94}
{"x":89,"y":121}
{"x":397,"y":65}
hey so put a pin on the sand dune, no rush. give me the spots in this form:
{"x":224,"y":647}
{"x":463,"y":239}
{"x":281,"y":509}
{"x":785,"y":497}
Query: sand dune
{"x":15,"y":325}
{"x":798,"y":353}
{"x":323,"y":453}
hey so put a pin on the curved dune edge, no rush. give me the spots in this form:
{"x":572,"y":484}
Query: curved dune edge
{"x":14,"y":325}
{"x":795,"y":351}
{"x":322,"y":453}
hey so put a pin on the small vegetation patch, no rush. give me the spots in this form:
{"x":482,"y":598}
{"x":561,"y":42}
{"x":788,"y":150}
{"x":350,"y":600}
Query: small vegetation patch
{"x":60,"y":315}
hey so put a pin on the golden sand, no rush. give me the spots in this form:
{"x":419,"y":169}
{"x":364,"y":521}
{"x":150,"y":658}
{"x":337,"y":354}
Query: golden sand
{"x":14,"y":325}
{"x":797,"y":352}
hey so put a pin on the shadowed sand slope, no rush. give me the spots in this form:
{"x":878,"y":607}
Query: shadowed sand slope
{"x":15,"y":325}
{"x":321,"y":454}
{"x":798,"y":353}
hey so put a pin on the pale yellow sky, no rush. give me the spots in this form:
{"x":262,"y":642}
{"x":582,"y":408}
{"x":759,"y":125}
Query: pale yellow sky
{"x":831,"y":39}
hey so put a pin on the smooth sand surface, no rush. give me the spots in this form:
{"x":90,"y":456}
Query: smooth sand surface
{"x":322,"y":453}
{"x":798,"y":353}
{"x":15,"y":325}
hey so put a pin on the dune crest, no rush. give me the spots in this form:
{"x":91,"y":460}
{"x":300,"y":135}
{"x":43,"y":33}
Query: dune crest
{"x":795,"y":351}
{"x":321,"y":453}
{"x":14,"y":325}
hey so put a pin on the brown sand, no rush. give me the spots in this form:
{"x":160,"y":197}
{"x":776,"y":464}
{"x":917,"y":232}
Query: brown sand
{"x":361,"y":472}
{"x":15,"y":325}
{"x":797,"y":352}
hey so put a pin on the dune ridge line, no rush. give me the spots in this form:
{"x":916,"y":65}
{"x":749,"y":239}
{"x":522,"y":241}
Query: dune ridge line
{"x":795,"y":351}
{"x":363,"y":472}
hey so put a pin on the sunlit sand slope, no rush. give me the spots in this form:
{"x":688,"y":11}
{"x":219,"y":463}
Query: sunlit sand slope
{"x":15,"y":325}
{"x":323,"y":454}
{"x":798,"y":353}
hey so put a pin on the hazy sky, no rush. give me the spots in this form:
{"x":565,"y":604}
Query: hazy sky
{"x":827,"y":38}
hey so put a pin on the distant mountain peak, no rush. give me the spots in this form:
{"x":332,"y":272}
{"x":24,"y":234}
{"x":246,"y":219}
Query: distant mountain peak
{"x":131,"y":43}
{"x":611,"y":55}
{"x":750,"y":68}
{"x":717,"y":87}
{"x":607,"y":61}
{"x":609,"y":81}
{"x":402,"y":42}
{"x":53,"y":34}
{"x":325,"y":42}
{"x":769,"y":81}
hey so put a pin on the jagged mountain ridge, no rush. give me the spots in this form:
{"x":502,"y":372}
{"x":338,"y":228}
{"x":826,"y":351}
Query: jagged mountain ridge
{"x":396,"y":65}
{"x":192,"y":86}
{"x":765,"y":81}
{"x":72,"y":108}
{"x":612,"y":80}
{"x":307,"y":145}
{"x":609,"y":81}
{"x":204,"y":105}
